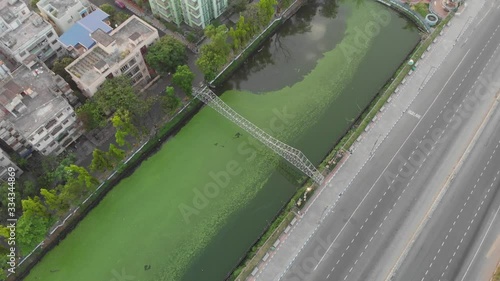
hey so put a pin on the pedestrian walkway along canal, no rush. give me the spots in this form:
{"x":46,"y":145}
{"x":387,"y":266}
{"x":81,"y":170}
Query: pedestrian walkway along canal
{"x":192,"y":210}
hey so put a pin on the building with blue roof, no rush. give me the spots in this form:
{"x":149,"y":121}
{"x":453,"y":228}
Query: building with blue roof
{"x":77,"y":39}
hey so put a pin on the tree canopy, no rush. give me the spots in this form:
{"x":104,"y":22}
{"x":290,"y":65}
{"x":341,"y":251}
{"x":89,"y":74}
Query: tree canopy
{"x":79,"y":183}
{"x":54,"y":202}
{"x":115,"y":94}
{"x":115,"y":154}
{"x":170,"y":102}
{"x":123,"y":123}
{"x":91,"y":115}
{"x":183,"y":78}
{"x":118,"y":93}
{"x":58,"y":68}
{"x":166,"y":54}
{"x":115,"y":17}
{"x":100,"y":161}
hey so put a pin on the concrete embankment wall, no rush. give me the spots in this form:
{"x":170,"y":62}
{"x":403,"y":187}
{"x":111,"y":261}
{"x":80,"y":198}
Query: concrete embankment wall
{"x":408,"y":12}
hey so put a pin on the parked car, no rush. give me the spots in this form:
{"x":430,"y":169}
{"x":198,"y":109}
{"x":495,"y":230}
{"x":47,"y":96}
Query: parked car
{"x":120,"y":4}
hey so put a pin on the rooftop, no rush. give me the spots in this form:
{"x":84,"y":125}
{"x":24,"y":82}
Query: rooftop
{"x":80,"y":32}
{"x":33,"y":86}
{"x":60,"y":7}
{"x":7,"y":10}
{"x":86,"y":67}
{"x":14,"y":39}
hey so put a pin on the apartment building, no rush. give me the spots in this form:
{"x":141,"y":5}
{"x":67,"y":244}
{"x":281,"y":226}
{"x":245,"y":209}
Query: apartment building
{"x":5,"y":164}
{"x":195,"y":13}
{"x":24,"y":35}
{"x":34,"y":111}
{"x":118,"y":53}
{"x":64,"y":13}
{"x":77,"y":40}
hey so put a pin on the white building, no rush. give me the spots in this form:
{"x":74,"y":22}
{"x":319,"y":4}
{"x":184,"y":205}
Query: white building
{"x":195,"y":13}
{"x":64,"y":13}
{"x":24,"y":35}
{"x":34,"y":111}
{"x":118,"y":53}
{"x":5,"y":163}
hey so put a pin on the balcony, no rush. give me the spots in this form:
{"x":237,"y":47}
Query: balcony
{"x":56,"y":130}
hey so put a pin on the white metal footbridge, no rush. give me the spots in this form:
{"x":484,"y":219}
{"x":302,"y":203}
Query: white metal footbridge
{"x":290,"y":154}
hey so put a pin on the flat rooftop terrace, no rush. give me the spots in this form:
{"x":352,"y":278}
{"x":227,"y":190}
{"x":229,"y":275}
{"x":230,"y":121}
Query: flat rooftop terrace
{"x":85,"y":66}
{"x":43,"y":106}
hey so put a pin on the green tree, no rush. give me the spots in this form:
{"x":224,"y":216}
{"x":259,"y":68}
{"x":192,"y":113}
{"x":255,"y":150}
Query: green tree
{"x":210,"y":61}
{"x":54,"y":202}
{"x":58,"y":68}
{"x":33,"y":3}
{"x":33,"y":207}
{"x":118,"y":93}
{"x":183,"y":78}
{"x":170,"y":102}
{"x":123,"y":123}
{"x":242,"y":33}
{"x":166,"y":54}
{"x":79,"y":183}
{"x":218,"y":38}
{"x":266,"y":10}
{"x":108,"y":9}
{"x":214,"y":54}
{"x":119,"y":18}
{"x":91,"y":115}
{"x":4,"y":231}
{"x":30,"y":231}
{"x":115,"y":154}
{"x":100,"y":161}
{"x":115,"y":17}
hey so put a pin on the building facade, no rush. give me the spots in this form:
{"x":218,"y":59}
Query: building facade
{"x":5,"y":163}
{"x":25,"y":36}
{"x":195,"y":13}
{"x":118,"y":53}
{"x":35,"y":113}
{"x":64,"y":13}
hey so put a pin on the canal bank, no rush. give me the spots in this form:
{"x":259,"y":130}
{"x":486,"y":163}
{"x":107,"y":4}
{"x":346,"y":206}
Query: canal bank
{"x":233,"y":219}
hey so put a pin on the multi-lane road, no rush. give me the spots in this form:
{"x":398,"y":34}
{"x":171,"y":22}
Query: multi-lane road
{"x":442,"y":247}
{"x":419,"y":205}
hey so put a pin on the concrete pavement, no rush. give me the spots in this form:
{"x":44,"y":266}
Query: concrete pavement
{"x":362,"y":235}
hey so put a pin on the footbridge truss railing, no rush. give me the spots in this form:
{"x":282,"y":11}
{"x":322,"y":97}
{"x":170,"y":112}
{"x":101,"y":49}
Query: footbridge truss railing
{"x":292,"y":155}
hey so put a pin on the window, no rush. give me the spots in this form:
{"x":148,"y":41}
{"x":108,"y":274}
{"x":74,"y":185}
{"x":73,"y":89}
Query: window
{"x":53,"y":42}
{"x":65,"y":122}
{"x":131,"y":62}
{"x":40,"y":131}
{"x":22,"y":54}
{"x":50,"y":34}
{"x":52,"y":144}
{"x":59,"y":115}
{"x":46,"y":138}
{"x":124,"y":68}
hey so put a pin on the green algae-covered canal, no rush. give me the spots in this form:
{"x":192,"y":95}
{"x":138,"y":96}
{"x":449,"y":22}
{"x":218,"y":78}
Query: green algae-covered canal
{"x":192,"y":210}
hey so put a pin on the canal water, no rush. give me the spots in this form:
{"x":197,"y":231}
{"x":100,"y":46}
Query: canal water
{"x":192,"y":210}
